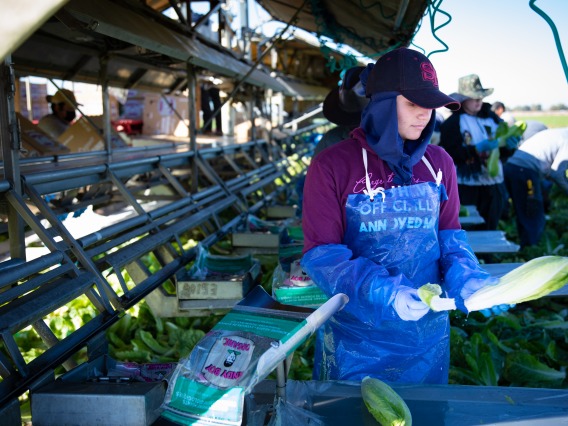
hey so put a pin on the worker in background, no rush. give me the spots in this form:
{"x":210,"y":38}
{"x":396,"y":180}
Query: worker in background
{"x":532,"y":126}
{"x":380,"y":219}
{"x":501,"y":111}
{"x":211,"y":102}
{"x":543,"y":156}
{"x":468,"y":135}
{"x":63,"y":106}
{"x":343,"y":106}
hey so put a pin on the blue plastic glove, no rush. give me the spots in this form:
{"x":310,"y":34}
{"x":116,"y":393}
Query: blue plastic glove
{"x":474,"y":284}
{"x":496,"y":310}
{"x":470,"y":287}
{"x":486,"y":145}
{"x":408,"y":305}
{"x":512,"y":142}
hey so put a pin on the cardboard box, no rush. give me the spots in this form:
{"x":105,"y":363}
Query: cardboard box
{"x":39,"y":105}
{"x":162,"y":117}
{"x":117,"y":139}
{"x":133,"y":108}
{"x":82,"y":136}
{"x":36,"y":141}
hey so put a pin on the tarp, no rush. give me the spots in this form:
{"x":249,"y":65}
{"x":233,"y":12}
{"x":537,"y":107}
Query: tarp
{"x":118,"y":22}
{"x":369,"y":27}
{"x":20,"y":18}
{"x":303,"y":91}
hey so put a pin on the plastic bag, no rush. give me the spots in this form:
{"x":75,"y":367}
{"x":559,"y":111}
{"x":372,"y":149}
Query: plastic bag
{"x":296,"y":287}
{"x":207,"y":265}
{"x":242,"y":349}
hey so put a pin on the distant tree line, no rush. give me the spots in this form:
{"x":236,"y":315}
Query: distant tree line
{"x":538,"y":107}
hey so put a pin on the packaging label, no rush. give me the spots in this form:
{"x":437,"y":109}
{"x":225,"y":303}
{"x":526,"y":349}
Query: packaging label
{"x":274,"y":328}
{"x":301,"y":296}
{"x":297,"y":276}
{"x":228,"y":360}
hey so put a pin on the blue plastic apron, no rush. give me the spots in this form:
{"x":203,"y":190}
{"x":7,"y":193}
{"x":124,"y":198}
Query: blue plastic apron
{"x":398,"y":229}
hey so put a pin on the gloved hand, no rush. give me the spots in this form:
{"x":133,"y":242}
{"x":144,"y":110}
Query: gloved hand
{"x":486,"y":145}
{"x":512,"y":142}
{"x":496,"y":310}
{"x":470,"y":287}
{"x":408,"y":305}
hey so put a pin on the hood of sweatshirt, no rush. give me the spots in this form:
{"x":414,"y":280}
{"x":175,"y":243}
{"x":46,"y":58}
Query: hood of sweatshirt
{"x":379,"y":121}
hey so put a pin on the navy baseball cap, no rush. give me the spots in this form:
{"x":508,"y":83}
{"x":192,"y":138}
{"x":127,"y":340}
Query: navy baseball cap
{"x":411,"y":74}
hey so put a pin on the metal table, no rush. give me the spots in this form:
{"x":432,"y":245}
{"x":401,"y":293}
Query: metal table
{"x":491,"y":242}
{"x":340,"y":403}
{"x":473,"y":217}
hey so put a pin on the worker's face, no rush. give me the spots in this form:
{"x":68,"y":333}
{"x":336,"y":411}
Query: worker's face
{"x":472,"y":106}
{"x":412,"y":119}
{"x":65,"y":112}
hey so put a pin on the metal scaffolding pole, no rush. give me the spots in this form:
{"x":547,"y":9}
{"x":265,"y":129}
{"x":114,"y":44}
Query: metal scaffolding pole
{"x":11,"y":147}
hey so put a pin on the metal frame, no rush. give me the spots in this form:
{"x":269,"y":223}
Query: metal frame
{"x":157,"y":191}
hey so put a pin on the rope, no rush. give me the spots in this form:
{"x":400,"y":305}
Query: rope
{"x":555,"y":33}
{"x":327,"y":26}
{"x":432,"y":10}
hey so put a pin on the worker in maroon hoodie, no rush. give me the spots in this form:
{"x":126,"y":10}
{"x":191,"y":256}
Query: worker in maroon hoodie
{"x":380,"y":219}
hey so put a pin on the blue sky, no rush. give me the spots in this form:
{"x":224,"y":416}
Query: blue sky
{"x":507,"y":44}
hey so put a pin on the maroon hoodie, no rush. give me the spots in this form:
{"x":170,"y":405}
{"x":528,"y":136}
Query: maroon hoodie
{"x":338,"y":171}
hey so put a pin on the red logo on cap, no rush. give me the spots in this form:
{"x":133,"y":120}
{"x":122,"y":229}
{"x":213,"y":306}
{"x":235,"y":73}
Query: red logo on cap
{"x":429,"y":73}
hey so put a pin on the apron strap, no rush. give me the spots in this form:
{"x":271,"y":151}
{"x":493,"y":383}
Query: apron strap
{"x":370,"y":191}
{"x":437,"y":177}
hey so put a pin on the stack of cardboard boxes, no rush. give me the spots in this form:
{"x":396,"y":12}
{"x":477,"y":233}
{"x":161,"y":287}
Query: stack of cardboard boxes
{"x":35,"y":142}
{"x":84,"y":136}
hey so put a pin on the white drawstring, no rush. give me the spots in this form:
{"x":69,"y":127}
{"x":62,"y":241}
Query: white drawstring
{"x":370,"y":191}
{"x":380,"y":190}
{"x":437,"y":176}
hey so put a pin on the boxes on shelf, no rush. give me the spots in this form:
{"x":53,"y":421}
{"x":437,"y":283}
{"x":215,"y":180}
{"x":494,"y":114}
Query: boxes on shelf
{"x":216,"y":283}
{"x":281,"y":211}
{"x":260,"y":234}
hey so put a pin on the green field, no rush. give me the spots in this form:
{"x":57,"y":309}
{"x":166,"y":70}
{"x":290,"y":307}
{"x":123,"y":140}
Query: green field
{"x":550,"y":120}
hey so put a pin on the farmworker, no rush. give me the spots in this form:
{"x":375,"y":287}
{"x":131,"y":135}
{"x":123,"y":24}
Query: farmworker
{"x":544,"y":155}
{"x":501,"y":111}
{"x":380,"y":219}
{"x":63,"y":106}
{"x":468,"y":136}
{"x":343,"y":106}
{"x":211,"y":102}
{"x":533,"y":127}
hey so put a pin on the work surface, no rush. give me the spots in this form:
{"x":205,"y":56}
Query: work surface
{"x":490,"y":242}
{"x":340,"y":403}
